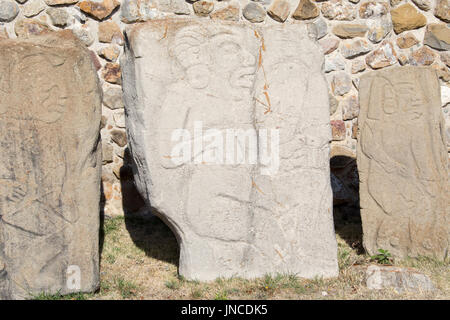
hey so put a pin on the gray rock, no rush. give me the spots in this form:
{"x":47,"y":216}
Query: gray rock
{"x":50,"y":185}
{"x":437,"y":36}
{"x":33,"y":8}
{"x":321,"y":28}
{"x":399,"y":279}
{"x":253,"y":12}
{"x":112,"y":98}
{"x":8,"y":10}
{"x":138,"y":10}
{"x":334,"y":63}
{"x":180,"y":7}
{"x":58,"y":16}
{"x":233,"y":219}
{"x":423,"y":4}
{"x":353,"y":48}
{"x":404,"y":197}
{"x":378,"y":28}
{"x":84,"y":33}
{"x":341,"y":83}
{"x":333,"y":103}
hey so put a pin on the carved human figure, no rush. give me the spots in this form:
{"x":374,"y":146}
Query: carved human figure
{"x":220,"y":74}
{"x":406,"y":168}
{"x":33,"y":171}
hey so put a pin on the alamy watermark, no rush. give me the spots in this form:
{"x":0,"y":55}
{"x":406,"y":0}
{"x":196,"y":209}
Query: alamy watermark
{"x":73,"y":280}
{"x":227,"y":147}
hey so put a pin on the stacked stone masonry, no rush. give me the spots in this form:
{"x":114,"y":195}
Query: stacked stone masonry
{"x":357,"y":36}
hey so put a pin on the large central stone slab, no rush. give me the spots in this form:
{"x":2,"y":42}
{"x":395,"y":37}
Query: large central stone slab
{"x":190,"y":86}
{"x":50,"y":167}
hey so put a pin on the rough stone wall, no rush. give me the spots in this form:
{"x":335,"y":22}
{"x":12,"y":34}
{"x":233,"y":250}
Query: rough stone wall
{"x":356,"y":35}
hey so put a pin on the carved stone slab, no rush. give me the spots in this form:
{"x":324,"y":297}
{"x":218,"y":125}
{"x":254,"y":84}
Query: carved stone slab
{"x":233,"y":218}
{"x":50,"y":162}
{"x":402,"y":163}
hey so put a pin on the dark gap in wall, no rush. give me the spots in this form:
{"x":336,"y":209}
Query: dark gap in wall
{"x":346,"y":209}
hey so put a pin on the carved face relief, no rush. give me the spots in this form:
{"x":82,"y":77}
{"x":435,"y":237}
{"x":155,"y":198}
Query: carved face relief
{"x":232,"y":61}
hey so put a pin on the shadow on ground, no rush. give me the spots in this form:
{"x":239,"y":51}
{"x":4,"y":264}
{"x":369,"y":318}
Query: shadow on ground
{"x":148,"y":232}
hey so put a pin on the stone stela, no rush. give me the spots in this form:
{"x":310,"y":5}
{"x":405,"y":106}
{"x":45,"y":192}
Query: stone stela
{"x":402,"y":163}
{"x":233,"y":220}
{"x":50,"y":167}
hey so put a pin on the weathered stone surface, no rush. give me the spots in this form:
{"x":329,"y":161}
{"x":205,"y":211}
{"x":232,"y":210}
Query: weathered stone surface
{"x":402,"y":59}
{"x":399,"y":279}
{"x":58,"y":16}
{"x":203,"y":8}
{"x":112,"y":98}
{"x":119,"y":137}
{"x":3,"y":33}
{"x":138,"y":10}
{"x":350,"y":30}
{"x":241,"y":219}
{"x":109,"y":31}
{"x":445,"y":58}
{"x":110,"y":53}
{"x":333,"y":103}
{"x":94,"y":59}
{"x":254,"y":12}
{"x":33,"y":7}
{"x":373,"y":9}
{"x":445,"y":95}
{"x":350,"y":108}
{"x":60,"y":2}
{"x":437,"y":36}
{"x":279,"y":10}
{"x":341,"y":83}
{"x":321,"y":28}
{"x":442,"y":10}
{"x":402,"y":162}
{"x":407,"y":41}
{"x":84,"y":33}
{"x":382,"y":57}
{"x":25,"y":28}
{"x":422,"y":57}
{"x":329,"y":45}
{"x":8,"y":10}
{"x":107,"y":153}
{"x":180,"y":7}
{"x":358,"y":65}
{"x":423,"y":4}
{"x":378,"y":29}
{"x":338,"y":10}
{"x":229,"y":13}
{"x":406,"y":17}
{"x":50,"y":167}
{"x":97,"y":9}
{"x":354,"y":48}
{"x":112,"y":73}
{"x":306,"y":10}
{"x":333,"y":64}
{"x":337,"y":130}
